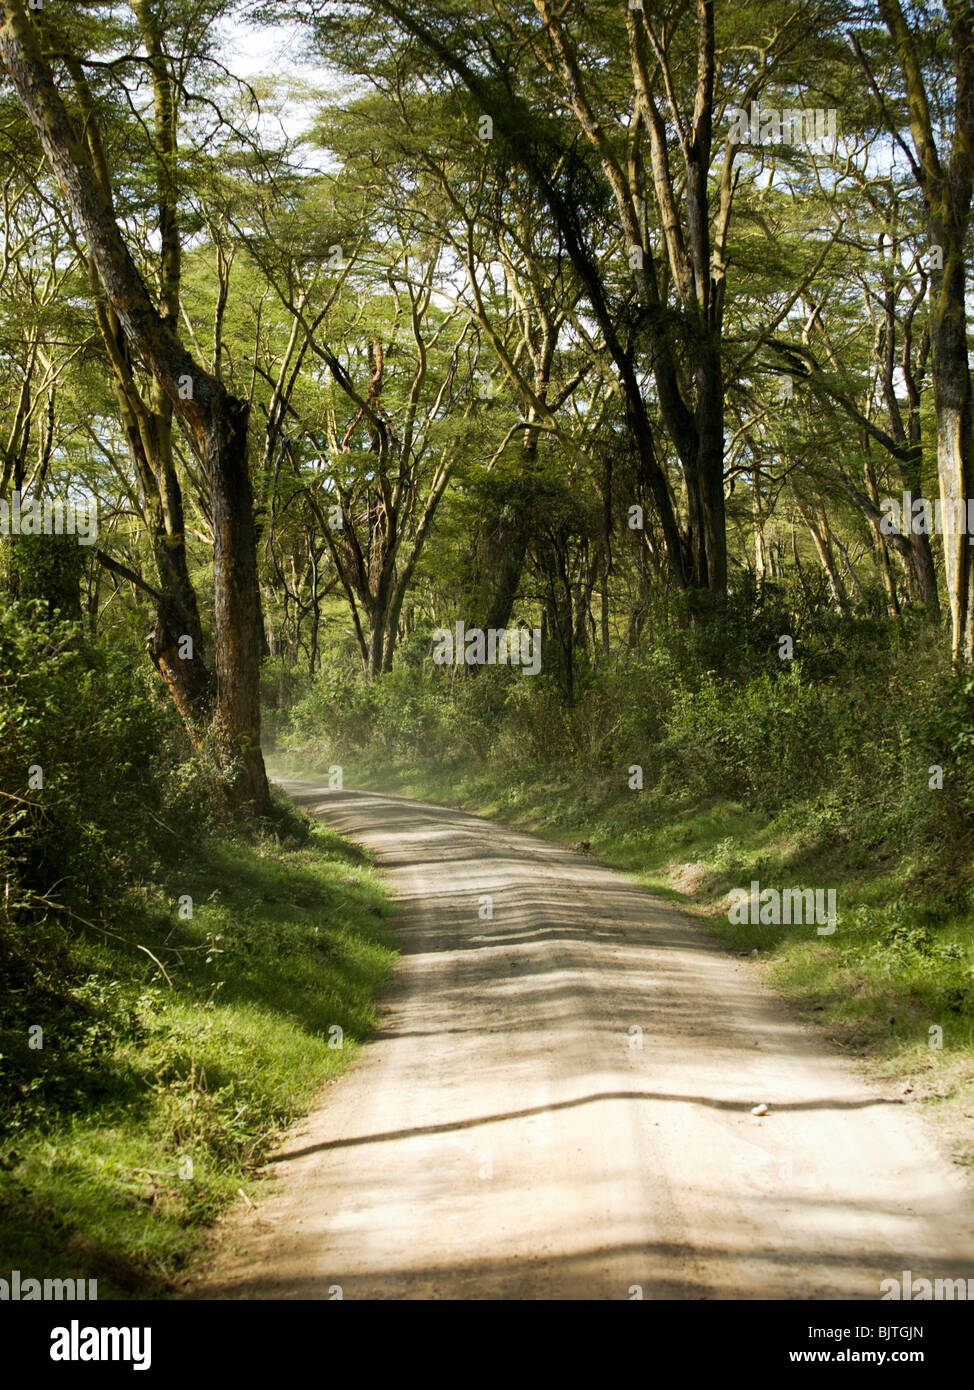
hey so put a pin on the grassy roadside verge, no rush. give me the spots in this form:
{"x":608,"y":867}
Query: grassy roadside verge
{"x":895,"y":979}
{"x":160,"y":1085}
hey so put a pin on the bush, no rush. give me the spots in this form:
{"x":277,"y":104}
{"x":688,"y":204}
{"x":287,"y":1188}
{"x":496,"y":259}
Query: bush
{"x":848,"y":730}
{"x":93,"y":795}
{"x":95,"y":768}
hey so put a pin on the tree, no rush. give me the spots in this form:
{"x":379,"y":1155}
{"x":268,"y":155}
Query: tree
{"x":217,"y":419}
{"x":944,"y":172}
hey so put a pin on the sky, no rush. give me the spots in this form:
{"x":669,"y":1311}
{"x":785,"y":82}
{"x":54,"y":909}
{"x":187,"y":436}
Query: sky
{"x":258,"y":51}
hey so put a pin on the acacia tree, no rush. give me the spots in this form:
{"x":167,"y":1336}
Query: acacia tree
{"x":374,"y":439}
{"x":942,"y":162}
{"x":217,"y":419}
{"x":611,"y":115}
{"x":389,"y":493}
{"x":148,"y":423}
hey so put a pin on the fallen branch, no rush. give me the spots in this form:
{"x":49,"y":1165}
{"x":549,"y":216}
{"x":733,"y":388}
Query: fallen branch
{"x":59,"y":907}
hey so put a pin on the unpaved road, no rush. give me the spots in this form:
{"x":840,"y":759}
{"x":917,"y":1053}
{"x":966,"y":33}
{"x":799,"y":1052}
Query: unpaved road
{"x":506,"y":1136}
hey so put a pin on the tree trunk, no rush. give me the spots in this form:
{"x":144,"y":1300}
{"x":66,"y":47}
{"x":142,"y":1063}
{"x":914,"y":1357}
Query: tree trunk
{"x":947,"y":191}
{"x":218,"y":420}
{"x":817,"y":525}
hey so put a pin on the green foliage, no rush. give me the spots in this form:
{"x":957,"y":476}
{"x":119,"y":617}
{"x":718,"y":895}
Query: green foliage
{"x":46,"y":568}
{"x":154,"y":1097}
{"x":847,"y":732}
{"x":494,"y":275}
{"x":95,"y":790}
{"x":112,"y":781}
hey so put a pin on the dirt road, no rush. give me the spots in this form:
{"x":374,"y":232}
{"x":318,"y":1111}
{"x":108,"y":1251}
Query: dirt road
{"x":558,"y":1104}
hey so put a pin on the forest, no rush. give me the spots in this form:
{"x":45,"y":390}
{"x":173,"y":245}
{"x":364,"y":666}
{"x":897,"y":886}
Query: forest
{"x":556,"y":410}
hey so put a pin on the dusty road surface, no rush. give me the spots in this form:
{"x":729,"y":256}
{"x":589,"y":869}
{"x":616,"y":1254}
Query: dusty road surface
{"x":557,"y":1105}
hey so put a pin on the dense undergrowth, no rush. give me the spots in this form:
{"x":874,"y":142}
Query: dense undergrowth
{"x":175,"y":990}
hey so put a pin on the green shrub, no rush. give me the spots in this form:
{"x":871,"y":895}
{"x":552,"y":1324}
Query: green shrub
{"x":846,"y":732}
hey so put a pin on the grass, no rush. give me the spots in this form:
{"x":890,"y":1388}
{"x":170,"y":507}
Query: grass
{"x":894,"y":981}
{"x":153,"y":1101}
